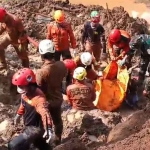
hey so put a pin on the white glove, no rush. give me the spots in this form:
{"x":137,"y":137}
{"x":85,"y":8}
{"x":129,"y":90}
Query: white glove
{"x":74,"y":53}
{"x":48,"y":135}
{"x":17,"y":119}
{"x":100,"y":73}
{"x":121,"y":62}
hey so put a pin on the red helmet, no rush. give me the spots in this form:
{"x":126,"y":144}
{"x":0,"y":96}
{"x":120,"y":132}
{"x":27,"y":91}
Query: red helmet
{"x":23,"y":77}
{"x":115,"y":35}
{"x":70,"y":64}
{"x":2,"y":13}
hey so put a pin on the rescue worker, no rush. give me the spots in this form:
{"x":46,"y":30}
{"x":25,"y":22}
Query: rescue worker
{"x":86,"y":60}
{"x":61,"y":33}
{"x":70,"y":65}
{"x":141,"y":43}
{"x":15,"y":34}
{"x":81,"y":94}
{"x":34,"y":110}
{"x":93,"y":36}
{"x":49,"y":78}
{"x":120,"y":39}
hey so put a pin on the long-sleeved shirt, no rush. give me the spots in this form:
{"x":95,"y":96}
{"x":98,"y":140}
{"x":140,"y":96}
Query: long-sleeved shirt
{"x":35,"y":110}
{"x":62,"y":36}
{"x":122,"y":44}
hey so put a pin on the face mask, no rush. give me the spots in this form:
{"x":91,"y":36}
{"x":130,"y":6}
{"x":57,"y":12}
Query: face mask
{"x":94,"y":25}
{"x":21,"y":90}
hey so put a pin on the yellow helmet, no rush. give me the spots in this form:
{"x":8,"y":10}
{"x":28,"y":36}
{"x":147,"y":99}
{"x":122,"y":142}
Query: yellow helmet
{"x":79,"y":73}
{"x":59,"y":16}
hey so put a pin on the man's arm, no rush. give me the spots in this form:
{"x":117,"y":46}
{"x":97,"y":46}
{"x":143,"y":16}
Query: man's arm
{"x":68,"y":95}
{"x":110,"y":48}
{"x":48,"y":34}
{"x":83,"y":34}
{"x":103,"y":40}
{"x":39,"y":80}
{"x":41,"y":107}
{"x":20,"y":110}
{"x":2,"y":28}
{"x":72,"y":37}
{"x":22,"y":31}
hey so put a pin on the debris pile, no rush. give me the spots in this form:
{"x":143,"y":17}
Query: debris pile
{"x":82,"y":130}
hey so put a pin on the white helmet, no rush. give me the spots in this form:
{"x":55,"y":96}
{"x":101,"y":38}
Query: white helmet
{"x":79,"y":73}
{"x":86,"y":58}
{"x":46,"y":46}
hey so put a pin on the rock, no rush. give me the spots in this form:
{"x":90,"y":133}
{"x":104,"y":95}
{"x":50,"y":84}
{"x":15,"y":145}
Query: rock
{"x":92,"y":138}
{"x":3,"y":125}
{"x":130,"y":126}
{"x":70,"y":118}
{"x":73,"y":144}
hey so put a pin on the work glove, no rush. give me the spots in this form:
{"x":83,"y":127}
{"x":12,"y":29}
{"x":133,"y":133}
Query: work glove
{"x":17,"y":119}
{"x":121,"y":63}
{"x":100,"y":73}
{"x":74,"y":52}
{"x":20,"y":47}
{"x":48,"y":135}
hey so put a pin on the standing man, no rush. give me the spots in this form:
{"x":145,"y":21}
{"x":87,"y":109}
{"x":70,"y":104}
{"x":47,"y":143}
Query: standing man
{"x":15,"y":34}
{"x":93,"y":36}
{"x":61,"y":33}
{"x":49,"y":78}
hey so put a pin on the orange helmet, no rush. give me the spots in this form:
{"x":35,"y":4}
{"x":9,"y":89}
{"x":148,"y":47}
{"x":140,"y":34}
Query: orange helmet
{"x":59,"y":16}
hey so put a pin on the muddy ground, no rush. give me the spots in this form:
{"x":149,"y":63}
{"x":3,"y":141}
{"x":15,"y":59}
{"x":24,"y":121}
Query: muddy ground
{"x":97,"y":130}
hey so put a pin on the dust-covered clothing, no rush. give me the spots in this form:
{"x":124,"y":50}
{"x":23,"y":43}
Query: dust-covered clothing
{"x":141,"y":44}
{"x":35,"y":110}
{"x":49,"y":78}
{"x":15,"y":34}
{"x":94,"y":39}
{"x":122,"y":45}
{"x":91,"y":74}
{"x":63,"y":38}
{"x":81,"y":95}
{"x":36,"y":118}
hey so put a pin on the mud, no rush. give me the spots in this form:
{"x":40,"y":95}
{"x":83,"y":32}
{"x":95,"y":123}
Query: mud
{"x":82,"y":130}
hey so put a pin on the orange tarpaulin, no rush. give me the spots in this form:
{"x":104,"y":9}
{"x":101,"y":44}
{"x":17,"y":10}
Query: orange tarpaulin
{"x":110,"y":91}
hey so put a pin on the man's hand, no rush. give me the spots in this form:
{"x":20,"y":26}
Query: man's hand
{"x":121,"y":62}
{"x":48,"y":135}
{"x":17,"y":119}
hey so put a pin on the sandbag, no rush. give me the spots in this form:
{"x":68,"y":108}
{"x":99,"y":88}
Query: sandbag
{"x":111,"y":93}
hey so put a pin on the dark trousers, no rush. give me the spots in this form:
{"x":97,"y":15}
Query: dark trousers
{"x":57,"y":121}
{"x":65,"y":55}
{"x":143,"y":66}
{"x":30,"y":135}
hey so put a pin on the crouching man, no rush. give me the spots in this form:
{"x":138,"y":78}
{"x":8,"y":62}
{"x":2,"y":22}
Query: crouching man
{"x":81,"y":94}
